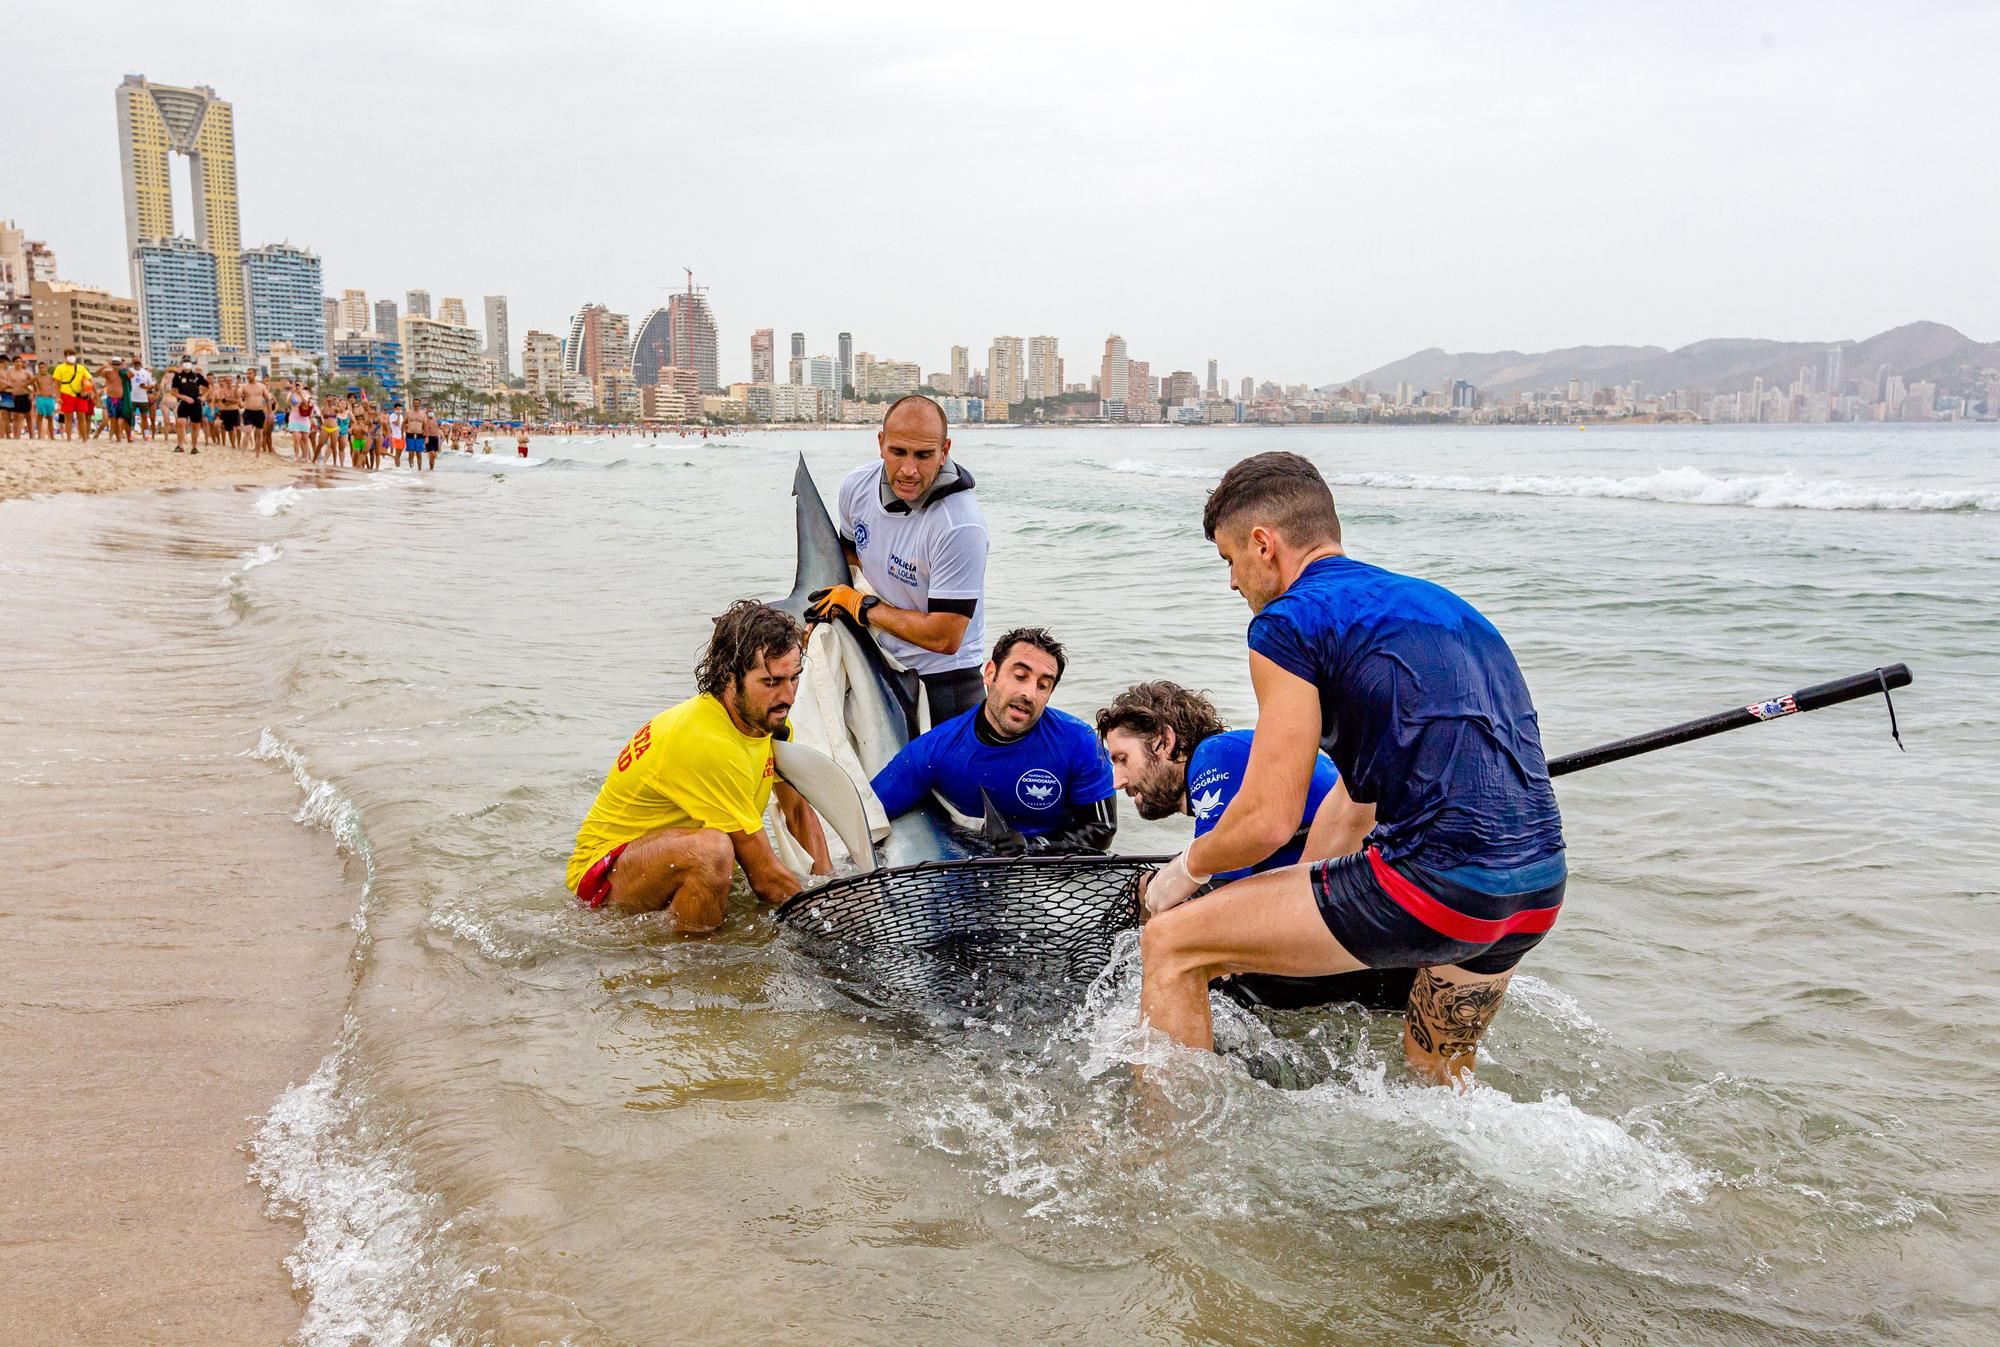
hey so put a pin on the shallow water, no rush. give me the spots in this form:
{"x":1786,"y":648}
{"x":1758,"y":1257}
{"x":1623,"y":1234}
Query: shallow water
{"x":1740,"y":1095}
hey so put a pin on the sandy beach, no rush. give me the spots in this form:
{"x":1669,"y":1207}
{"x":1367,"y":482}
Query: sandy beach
{"x":178,"y":947}
{"x":42,"y":467}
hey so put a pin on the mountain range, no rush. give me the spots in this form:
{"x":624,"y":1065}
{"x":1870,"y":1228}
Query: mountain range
{"x":1721,"y":364}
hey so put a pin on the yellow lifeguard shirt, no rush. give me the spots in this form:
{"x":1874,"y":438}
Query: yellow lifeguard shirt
{"x":687,"y":767}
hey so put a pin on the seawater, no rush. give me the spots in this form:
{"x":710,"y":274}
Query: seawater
{"x":1741,"y":1095}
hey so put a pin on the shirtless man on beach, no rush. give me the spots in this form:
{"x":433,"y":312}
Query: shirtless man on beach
{"x":111,"y":380}
{"x":42,"y":385}
{"x":255,"y":399}
{"x":16,"y":398}
{"x":227,"y":396}
{"x":683,"y":806}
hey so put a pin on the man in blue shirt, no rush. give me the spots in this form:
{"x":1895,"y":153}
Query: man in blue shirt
{"x":1426,"y":714}
{"x":1171,"y":753}
{"x":1043,"y":770}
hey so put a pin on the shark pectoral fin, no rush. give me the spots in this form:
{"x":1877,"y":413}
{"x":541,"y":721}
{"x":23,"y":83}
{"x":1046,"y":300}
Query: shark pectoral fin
{"x":832,"y":794}
{"x":998,"y":833}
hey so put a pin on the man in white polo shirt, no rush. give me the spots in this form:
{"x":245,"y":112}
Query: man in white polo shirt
{"x":912,"y":526}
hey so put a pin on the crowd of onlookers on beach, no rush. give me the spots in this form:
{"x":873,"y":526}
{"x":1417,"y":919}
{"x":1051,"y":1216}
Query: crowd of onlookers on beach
{"x":123,"y":400}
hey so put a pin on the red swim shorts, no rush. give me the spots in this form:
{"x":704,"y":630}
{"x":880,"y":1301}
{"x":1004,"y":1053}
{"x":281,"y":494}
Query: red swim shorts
{"x":595,"y":886}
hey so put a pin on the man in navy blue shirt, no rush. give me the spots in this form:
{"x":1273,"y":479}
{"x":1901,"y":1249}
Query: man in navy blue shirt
{"x":1043,"y":770}
{"x":1426,"y":714}
{"x":1171,"y":754}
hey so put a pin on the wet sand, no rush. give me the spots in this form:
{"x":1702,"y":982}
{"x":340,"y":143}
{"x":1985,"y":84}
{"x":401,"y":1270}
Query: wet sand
{"x":43,"y":467}
{"x":177,"y":948}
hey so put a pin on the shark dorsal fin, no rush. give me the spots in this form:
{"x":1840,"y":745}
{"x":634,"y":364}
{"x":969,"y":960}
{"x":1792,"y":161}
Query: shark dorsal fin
{"x":996,"y":830}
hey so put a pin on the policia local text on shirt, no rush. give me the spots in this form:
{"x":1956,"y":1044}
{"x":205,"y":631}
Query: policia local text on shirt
{"x":911,"y":525}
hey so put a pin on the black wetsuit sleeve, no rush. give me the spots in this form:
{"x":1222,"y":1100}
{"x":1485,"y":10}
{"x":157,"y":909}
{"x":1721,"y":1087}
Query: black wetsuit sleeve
{"x":1089,"y":829}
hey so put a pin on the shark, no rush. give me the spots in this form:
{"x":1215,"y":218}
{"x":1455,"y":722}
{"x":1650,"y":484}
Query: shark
{"x":853,"y":707}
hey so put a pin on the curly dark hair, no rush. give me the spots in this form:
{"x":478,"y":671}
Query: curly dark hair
{"x":1037,"y":637}
{"x":1284,"y":489}
{"x":747,"y":635}
{"x":1148,"y":709}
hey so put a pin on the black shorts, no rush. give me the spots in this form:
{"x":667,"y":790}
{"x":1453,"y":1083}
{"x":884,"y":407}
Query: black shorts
{"x":953,"y":692}
{"x":253,"y":419}
{"x":229,"y":417}
{"x":190,"y":411}
{"x":1409,"y":917}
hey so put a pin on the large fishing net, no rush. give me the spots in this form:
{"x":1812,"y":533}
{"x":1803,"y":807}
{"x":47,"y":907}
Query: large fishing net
{"x":988,"y":934}
{"x":1019,"y":937}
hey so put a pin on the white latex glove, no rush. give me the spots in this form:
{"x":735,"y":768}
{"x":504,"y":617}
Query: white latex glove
{"x":1172,"y":884}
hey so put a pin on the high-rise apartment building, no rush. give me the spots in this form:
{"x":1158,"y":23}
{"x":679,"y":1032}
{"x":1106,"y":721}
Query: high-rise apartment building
{"x":1115,"y":380}
{"x":1180,"y":387}
{"x":370,"y":357}
{"x":691,"y":327}
{"x":1044,"y":368}
{"x":846,"y":359}
{"x":498,"y":344}
{"x":876,"y":379}
{"x":156,"y":121}
{"x":961,"y":371}
{"x":1005,"y":375}
{"x":798,"y":346}
{"x":1833,"y":361}
{"x":354,"y":311}
{"x":387,"y":323}
{"x":416,"y":303}
{"x":330,"y":309}
{"x":281,"y":293}
{"x":1211,"y":376}
{"x":1249,"y":389}
{"x":650,"y":349}
{"x":599,"y":340}
{"x":179,"y":300}
{"x":23,"y":261}
{"x":1142,"y":392}
{"x":438,"y":355}
{"x":763,"y":356}
{"x":98,"y":325}
{"x":542,"y":363}
{"x":452,"y":310}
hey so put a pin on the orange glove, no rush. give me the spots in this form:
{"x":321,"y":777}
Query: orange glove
{"x":822,"y":604}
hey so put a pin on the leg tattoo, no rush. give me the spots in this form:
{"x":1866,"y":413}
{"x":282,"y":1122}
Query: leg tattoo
{"x":1448,"y":1018}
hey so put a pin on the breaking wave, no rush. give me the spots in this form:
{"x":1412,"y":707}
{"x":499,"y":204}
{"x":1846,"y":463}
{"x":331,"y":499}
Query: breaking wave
{"x":1145,"y":469}
{"x":277,"y":501}
{"x":1690,"y":486}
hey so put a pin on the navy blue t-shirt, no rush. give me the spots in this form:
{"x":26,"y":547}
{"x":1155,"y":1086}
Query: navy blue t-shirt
{"x":1428,"y":714}
{"x":1036,"y":780}
{"x":1215,"y":774}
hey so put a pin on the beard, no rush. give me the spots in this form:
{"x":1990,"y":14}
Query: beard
{"x":773,"y":716}
{"x":1159,"y":796}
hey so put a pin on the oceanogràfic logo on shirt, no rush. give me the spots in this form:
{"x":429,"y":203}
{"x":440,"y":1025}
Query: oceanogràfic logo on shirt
{"x":1038,"y":788}
{"x":860,"y":536}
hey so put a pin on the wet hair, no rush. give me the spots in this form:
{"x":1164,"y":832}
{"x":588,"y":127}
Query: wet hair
{"x":1037,"y":637}
{"x":1284,"y":490}
{"x":944,"y":422}
{"x":1150,"y":709}
{"x":746,"y":636}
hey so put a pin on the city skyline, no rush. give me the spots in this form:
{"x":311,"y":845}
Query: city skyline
{"x":1301,"y":227}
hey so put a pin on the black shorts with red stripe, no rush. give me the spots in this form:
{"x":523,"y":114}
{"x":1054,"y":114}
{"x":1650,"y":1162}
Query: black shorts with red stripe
{"x":1405,"y":916}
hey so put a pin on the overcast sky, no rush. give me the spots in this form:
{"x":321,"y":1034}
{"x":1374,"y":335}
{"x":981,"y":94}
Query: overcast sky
{"x":1301,"y":191}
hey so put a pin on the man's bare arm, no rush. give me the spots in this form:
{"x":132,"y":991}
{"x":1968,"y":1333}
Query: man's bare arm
{"x":769,"y":879}
{"x":1266,"y":811}
{"x":1340,"y":826}
{"x":940,"y":632}
{"x":802,"y":823}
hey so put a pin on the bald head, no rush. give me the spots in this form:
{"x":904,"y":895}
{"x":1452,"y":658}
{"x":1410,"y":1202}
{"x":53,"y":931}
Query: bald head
{"x":917,"y":415}
{"x":915,"y":440}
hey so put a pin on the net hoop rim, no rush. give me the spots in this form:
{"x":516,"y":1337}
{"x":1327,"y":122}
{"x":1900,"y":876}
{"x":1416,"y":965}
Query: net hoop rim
{"x":797,"y":903}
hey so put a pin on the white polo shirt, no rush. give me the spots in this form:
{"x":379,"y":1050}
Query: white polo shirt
{"x":937,"y":552}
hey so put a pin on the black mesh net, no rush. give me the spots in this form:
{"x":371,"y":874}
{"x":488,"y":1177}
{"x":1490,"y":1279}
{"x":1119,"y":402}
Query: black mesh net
{"x":993,"y":933}
{"x":1019,"y":936}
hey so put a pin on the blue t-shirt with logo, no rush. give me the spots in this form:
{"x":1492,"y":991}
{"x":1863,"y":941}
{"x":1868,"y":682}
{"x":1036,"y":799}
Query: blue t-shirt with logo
{"x":1214,"y":775}
{"x":1424,"y":711}
{"x":1036,"y":781}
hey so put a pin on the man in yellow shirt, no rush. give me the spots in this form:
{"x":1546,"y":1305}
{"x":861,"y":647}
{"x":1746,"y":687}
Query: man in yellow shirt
{"x":683,"y":805}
